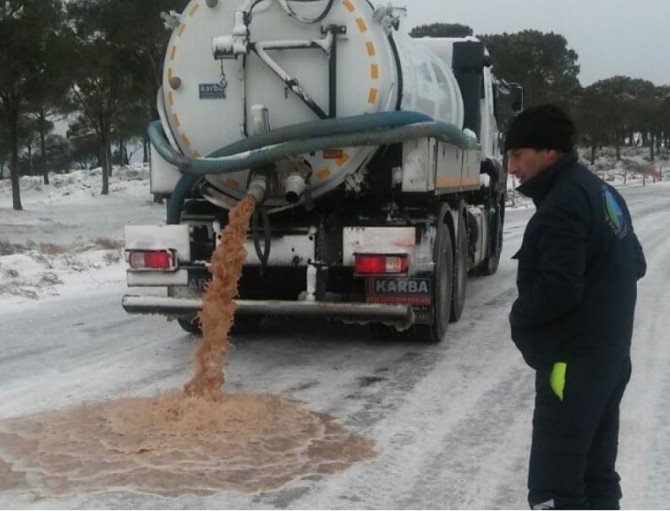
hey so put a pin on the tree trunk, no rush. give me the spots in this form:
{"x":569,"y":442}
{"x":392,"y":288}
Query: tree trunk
{"x":14,"y":169}
{"x":29,"y":146}
{"x":618,"y":151}
{"x":593,"y":153}
{"x":105,"y":179}
{"x":123,"y":149}
{"x":13,"y":118}
{"x":104,"y":164}
{"x":145,"y":149}
{"x":121,"y":158}
{"x":108,"y":154}
{"x":43,"y":150}
{"x":651,"y":147}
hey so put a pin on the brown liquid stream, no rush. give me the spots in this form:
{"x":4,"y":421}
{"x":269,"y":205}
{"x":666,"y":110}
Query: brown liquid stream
{"x":218,"y":311}
{"x":200,"y":441}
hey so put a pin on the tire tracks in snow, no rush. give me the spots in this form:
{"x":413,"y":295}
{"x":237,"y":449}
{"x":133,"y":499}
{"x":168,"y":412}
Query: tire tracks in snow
{"x":456,"y":423}
{"x":645,"y":437}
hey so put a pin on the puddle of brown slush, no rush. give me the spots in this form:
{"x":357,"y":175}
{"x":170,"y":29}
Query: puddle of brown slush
{"x":199,"y":441}
{"x":174,"y":445}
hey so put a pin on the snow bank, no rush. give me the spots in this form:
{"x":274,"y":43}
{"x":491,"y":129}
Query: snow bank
{"x":69,"y":238}
{"x":634,"y":169}
{"x":77,"y":186}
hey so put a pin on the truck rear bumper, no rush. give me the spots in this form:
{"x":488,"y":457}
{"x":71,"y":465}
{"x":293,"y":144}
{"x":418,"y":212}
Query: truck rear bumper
{"x":399,"y":315}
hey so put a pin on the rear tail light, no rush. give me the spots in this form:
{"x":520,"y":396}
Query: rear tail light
{"x":151,"y":259}
{"x":379,"y":264}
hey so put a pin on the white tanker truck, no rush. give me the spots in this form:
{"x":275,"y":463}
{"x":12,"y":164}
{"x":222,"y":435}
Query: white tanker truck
{"x":374,"y":157}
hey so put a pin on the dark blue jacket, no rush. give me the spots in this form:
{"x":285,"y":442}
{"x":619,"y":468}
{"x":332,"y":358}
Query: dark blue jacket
{"x":578,"y":268}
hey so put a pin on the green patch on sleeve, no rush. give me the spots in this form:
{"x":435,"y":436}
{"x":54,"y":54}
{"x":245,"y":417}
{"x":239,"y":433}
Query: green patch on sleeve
{"x":557,"y":379}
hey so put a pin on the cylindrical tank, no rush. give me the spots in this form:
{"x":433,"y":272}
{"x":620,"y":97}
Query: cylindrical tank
{"x":216,"y":80}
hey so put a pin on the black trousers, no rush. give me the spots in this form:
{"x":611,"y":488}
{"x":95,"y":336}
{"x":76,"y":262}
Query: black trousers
{"x":575,"y":440}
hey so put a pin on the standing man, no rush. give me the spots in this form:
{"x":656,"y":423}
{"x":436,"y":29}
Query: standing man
{"x":573,"y":320}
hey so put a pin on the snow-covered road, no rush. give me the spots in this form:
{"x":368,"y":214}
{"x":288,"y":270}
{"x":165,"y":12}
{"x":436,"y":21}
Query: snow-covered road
{"x":451,"y":422}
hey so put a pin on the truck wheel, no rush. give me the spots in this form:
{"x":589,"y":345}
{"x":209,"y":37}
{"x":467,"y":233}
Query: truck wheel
{"x":190,"y":325}
{"x":460,"y":271}
{"x":443,"y":288}
{"x":490,"y":264}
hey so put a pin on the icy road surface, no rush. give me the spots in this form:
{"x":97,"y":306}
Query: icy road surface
{"x":451,"y":422}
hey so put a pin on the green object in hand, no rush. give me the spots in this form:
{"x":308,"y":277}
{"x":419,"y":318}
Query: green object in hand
{"x":557,"y":378}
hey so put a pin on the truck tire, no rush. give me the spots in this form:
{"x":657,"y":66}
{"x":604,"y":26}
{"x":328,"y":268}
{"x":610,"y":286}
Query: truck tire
{"x":443,"y":257}
{"x":190,"y":325}
{"x":490,"y":265}
{"x":460,"y":270}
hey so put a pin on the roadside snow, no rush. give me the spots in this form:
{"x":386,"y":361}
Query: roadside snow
{"x":77,"y":186}
{"x":634,"y":169}
{"x":69,"y":238}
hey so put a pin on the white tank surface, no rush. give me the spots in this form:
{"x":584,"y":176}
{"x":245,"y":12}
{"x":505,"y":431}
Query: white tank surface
{"x":234,"y":68}
{"x":443,"y":47}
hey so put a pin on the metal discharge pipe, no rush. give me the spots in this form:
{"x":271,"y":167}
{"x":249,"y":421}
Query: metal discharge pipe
{"x":258,"y":188}
{"x":295,"y":187}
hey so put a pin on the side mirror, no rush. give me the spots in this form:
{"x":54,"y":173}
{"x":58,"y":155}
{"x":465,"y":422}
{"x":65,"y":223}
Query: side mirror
{"x":517,"y":97}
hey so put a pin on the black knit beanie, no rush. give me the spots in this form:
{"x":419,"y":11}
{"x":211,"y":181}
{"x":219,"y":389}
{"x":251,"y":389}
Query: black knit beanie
{"x":541,"y":127}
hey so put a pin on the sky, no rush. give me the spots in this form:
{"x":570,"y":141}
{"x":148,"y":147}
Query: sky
{"x":611,"y":37}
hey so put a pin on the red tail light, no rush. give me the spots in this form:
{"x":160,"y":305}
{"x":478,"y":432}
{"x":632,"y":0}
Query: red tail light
{"x":375,"y":264}
{"x":151,"y":260}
